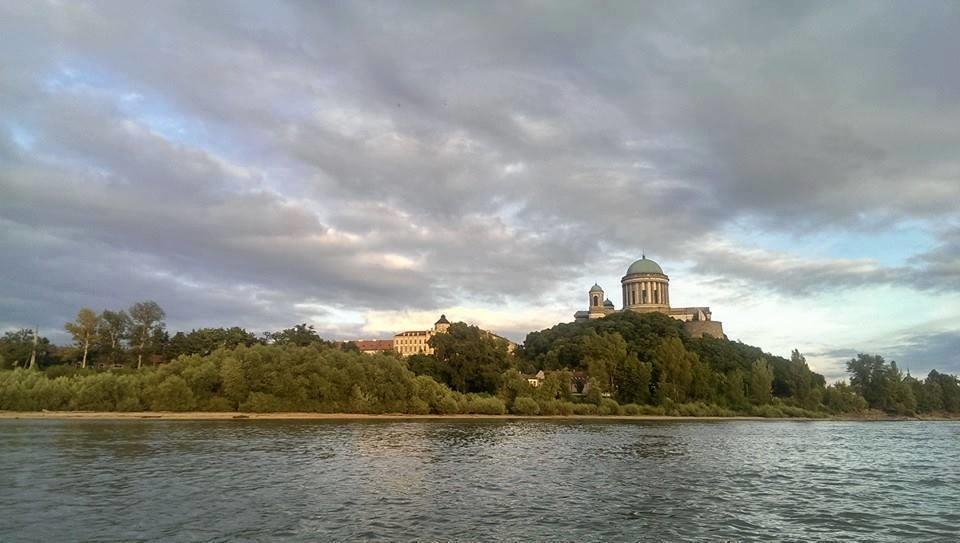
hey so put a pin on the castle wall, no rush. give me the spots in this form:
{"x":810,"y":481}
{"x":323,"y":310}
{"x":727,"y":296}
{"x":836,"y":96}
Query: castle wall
{"x":704,"y":328}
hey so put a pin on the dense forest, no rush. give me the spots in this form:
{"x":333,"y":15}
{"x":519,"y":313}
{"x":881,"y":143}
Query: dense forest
{"x":626,"y":363}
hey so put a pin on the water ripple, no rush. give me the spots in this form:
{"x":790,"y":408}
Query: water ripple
{"x":491,"y":480}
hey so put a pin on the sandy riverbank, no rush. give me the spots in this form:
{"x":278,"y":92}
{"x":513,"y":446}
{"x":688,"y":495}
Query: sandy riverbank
{"x":198,"y":415}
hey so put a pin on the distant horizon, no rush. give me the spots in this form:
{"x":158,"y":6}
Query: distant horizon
{"x":365,"y":167}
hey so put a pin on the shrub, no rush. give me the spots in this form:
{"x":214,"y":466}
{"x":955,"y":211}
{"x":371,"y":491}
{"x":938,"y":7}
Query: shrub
{"x":549,"y":407}
{"x":448,"y":406}
{"x":608,"y":406}
{"x":216,"y":404}
{"x":172,"y":394}
{"x":261,"y":402}
{"x":485,"y":405}
{"x":584,"y":409}
{"x":631,"y":409}
{"x":416,"y":406}
{"x":525,"y":405}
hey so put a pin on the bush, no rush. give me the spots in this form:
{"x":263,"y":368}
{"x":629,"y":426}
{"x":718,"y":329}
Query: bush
{"x":549,"y":407}
{"x":216,"y":404}
{"x":584,"y":409}
{"x":260,"y":402}
{"x":448,"y":405}
{"x":418,"y":407}
{"x":485,"y":405}
{"x":172,"y":394}
{"x":631,"y":409}
{"x":608,"y":406}
{"x":524,"y":405}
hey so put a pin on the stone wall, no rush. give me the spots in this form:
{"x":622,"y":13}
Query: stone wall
{"x":704,"y":328}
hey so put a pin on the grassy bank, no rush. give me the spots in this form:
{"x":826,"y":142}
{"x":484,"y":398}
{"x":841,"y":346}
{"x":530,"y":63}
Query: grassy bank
{"x":233,"y":415}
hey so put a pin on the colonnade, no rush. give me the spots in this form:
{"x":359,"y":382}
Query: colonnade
{"x":646,"y":292}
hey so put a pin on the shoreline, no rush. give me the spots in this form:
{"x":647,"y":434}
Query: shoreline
{"x":239,"y":416}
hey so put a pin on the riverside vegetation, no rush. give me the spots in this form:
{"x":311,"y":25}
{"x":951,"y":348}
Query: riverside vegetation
{"x":624,"y":364}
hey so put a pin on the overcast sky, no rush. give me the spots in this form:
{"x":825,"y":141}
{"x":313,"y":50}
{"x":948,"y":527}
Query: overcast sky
{"x":365,"y":166}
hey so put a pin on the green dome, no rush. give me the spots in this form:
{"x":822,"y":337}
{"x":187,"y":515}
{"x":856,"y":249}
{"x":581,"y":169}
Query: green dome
{"x":644,"y":265}
{"x":596,"y":288}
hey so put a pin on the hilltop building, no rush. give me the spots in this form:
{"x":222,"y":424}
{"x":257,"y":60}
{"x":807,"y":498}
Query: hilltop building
{"x":646,"y":289}
{"x":374,"y":346}
{"x":418,"y":341}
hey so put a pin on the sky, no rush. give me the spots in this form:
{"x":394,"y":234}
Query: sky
{"x":365,"y":166}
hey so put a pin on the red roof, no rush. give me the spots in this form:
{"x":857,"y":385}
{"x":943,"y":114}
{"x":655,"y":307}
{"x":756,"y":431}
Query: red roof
{"x":374,"y":344}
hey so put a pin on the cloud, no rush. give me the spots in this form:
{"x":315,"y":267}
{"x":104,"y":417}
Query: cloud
{"x":245,"y":164}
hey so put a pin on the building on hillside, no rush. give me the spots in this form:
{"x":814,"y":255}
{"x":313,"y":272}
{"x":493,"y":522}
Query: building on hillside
{"x":645,"y":289}
{"x":418,"y":341}
{"x":373,"y":346}
{"x":579,"y":380}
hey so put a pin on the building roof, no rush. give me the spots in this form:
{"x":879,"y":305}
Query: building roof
{"x":607,"y":303}
{"x":644,"y":265}
{"x":596,"y":288}
{"x":442,"y":320}
{"x":374,"y":344}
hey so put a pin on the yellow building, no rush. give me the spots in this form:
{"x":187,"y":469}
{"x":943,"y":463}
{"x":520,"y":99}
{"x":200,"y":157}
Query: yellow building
{"x":417,"y":341}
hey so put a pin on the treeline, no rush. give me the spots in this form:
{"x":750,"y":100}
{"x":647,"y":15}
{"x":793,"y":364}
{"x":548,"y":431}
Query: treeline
{"x":258,"y":378}
{"x":648,"y":359}
{"x":625,"y":363}
{"x":135,"y":336}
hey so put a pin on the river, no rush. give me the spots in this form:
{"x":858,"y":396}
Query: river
{"x":152,"y":480}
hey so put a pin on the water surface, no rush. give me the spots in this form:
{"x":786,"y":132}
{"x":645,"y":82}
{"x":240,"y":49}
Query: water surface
{"x":155,"y":480}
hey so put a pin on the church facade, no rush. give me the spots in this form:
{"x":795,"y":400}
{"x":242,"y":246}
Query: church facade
{"x":645,"y":288}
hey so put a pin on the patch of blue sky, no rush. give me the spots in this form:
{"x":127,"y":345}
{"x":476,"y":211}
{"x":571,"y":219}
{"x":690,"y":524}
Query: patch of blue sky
{"x":894,"y":246}
{"x":21,"y":136}
{"x":142,"y":106}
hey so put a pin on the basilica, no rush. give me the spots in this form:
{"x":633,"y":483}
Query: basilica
{"x":646,"y":289}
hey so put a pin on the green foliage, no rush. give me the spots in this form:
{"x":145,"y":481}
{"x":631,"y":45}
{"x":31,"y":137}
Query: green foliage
{"x":146,"y":328}
{"x":474,"y":361}
{"x":114,"y":329}
{"x":608,"y":406}
{"x":841,"y":398}
{"x":882,"y":384}
{"x":674,"y":367}
{"x":735,"y":389}
{"x":584,"y":409}
{"x":204,"y":341}
{"x":483,"y":405}
{"x":761,"y":382}
{"x":16,"y":347}
{"x":301,"y":335}
{"x":525,"y":405}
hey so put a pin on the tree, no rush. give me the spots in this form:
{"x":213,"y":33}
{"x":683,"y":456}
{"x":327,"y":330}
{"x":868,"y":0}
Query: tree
{"x":147,"y":320}
{"x":18,"y":347}
{"x":300,"y":335}
{"x":633,"y":380}
{"x":84,"y":331}
{"x":734,"y":389}
{"x":475,"y":360}
{"x":114,"y":328}
{"x":761,"y":382}
{"x":674,"y":366}
{"x":604,"y":355}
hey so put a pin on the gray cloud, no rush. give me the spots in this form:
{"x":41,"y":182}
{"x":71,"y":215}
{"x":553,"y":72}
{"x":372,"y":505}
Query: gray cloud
{"x":233,"y":160}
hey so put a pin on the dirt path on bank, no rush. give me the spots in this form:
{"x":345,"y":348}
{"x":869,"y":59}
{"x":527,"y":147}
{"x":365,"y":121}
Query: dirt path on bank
{"x":198,"y":415}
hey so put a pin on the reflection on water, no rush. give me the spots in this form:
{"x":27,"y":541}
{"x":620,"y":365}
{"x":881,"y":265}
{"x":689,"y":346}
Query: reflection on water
{"x":492,"y":480}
